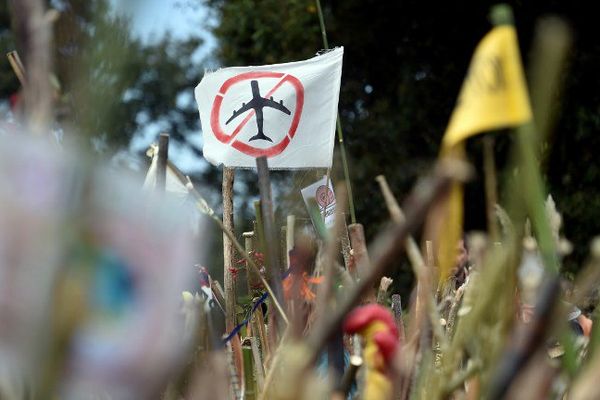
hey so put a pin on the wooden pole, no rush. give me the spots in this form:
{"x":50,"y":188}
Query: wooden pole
{"x":398,"y":317}
{"x":289,"y":236}
{"x":259,"y":371}
{"x":34,"y":37}
{"x":361,"y":257}
{"x":270,"y":234}
{"x":340,"y":134}
{"x":397,"y":215}
{"x":491,"y":195}
{"x":252,"y":276}
{"x":204,"y":208}
{"x":250,"y":386}
{"x":228,"y":268}
{"x":387,"y":250}
{"x":346,"y":249}
{"x":228,"y":251}
{"x":161,"y":165}
{"x":258,"y":326}
{"x":17,"y":66}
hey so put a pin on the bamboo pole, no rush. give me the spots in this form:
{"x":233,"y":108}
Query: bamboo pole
{"x":340,"y":134}
{"x":384,"y":285}
{"x":258,"y":326}
{"x":34,"y":36}
{"x":17,"y":66}
{"x":550,"y":54}
{"x":228,"y":253}
{"x":252,"y":279}
{"x":205,"y":209}
{"x":283,"y":257}
{"x":412,"y":249}
{"x":361,"y":257}
{"x":398,"y":317}
{"x":250,"y":386}
{"x":346,"y":251}
{"x":386,"y":249}
{"x":335,"y":347}
{"x":259,"y":371}
{"x":234,"y":377}
{"x":228,"y":268}
{"x":161,"y":164}
{"x":491,"y":195}
{"x":289,"y":236}
{"x":270,"y":235}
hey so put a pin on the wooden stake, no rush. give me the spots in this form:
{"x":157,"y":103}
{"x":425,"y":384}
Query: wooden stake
{"x":250,"y":392}
{"x":229,"y":267}
{"x":204,"y":208}
{"x":34,"y":37}
{"x":384,"y":285}
{"x":412,"y":249}
{"x":252,"y":279}
{"x":283,"y":257}
{"x":234,"y":377}
{"x":340,"y":134}
{"x":289,"y":238}
{"x":349,"y":376}
{"x":387,"y":250}
{"x":162,"y":161}
{"x":361,"y":256}
{"x":259,"y":371}
{"x":346,"y":250}
{"x":17,"y":66}
{"x":397,"y":310}
{"x":270,"y":235}
{"x":228,"y":251}
{"x":258,"y":326}
{"x":491,"y":196}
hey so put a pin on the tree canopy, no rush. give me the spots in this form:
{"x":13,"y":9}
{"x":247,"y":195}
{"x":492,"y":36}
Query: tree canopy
{"x":404,"y":65}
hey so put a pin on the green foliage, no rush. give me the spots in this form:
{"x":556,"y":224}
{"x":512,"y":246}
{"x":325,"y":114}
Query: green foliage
{"x":113,"y":85}
{"x":403,"y":67}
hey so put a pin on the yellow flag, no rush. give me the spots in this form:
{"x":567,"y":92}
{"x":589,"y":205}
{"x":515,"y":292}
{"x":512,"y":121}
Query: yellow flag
{"x":493,"y":96}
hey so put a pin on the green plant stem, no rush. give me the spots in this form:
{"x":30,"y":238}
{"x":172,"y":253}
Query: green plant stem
{"x":340,"y":134}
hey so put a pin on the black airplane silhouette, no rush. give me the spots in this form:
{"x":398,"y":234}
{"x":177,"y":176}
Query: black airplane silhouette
{"x":257,"y":104}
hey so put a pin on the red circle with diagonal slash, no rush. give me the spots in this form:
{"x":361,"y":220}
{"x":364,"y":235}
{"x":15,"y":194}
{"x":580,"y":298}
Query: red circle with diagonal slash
{"x":245,"y":148}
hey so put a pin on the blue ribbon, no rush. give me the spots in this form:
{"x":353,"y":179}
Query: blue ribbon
{"x":245,"y":322}
{"x":260,"y":300}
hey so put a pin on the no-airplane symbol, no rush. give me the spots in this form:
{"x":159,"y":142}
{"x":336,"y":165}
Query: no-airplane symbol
{"x":252,"y":109}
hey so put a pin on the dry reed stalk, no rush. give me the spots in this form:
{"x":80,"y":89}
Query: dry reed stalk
{"x":412,"y":249}
{"x":228,"y":252}
{"x":234,"y":377}
{"x":34,"y":36}
{"x":204,"y":208}
{"x":162,"y":162}
{"x":271,"y":248}
{"x":325,"y":293}
{"x":289,"y":236}
{"x":258,"y":326}
{"x":384,"y":285}
{"x":361,"y":257}
{"x":17,"y":66}
{"x":491,"y":192}
{"x":259,"y":369}
{"x":386,"y":250}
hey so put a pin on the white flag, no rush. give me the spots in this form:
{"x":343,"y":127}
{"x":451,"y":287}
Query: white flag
{"x":174,"y":182}
{"x":322,"y":192}
{"x":286,"y":112}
